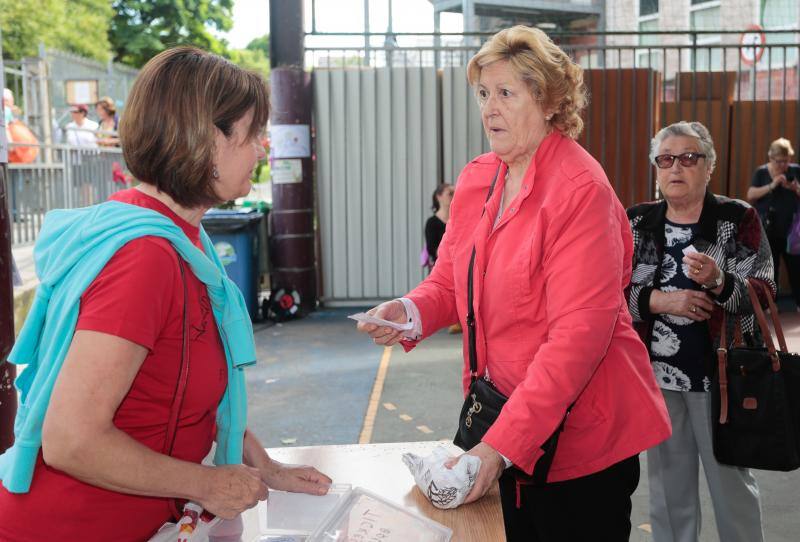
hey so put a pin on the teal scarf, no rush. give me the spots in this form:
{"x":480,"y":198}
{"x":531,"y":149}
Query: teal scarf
{"x":73,"y":247}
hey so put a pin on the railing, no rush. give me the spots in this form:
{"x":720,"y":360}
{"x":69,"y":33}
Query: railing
{"x":61,"y":177}
{"x":743,"y":84}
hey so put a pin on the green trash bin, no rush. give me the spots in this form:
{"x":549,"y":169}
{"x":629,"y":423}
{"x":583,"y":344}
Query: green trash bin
{"x":235,"y":235}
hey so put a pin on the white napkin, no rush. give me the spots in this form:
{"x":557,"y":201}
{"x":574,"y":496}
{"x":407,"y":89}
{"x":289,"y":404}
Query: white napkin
{"x":445,"y":488}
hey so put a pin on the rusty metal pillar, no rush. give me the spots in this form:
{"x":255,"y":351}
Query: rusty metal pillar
{"x":8,"y":395}
{"x":292,"y":238}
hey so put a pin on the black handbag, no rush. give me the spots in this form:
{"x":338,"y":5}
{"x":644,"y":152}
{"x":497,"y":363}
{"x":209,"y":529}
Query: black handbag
{"x":755,"y":398}
{"x":484,"y":402}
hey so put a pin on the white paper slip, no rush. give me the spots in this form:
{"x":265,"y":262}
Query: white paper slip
{"x":689,"y":250}
{"x":367,"y":319}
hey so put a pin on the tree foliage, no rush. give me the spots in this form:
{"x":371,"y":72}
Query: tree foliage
{"x":259,"y":44}
{"x":77,"y":26}
{"x":255,"y":56}
{"x":130,"y":31}
{"x":140,"y":29}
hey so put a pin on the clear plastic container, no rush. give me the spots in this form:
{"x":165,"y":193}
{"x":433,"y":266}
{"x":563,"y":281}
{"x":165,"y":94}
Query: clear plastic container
{"x":362,"y":515}
{"x":291,"y":517}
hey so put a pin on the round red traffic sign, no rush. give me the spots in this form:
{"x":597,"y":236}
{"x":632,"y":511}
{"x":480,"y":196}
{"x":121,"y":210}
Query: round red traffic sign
{"x":753,"y":42}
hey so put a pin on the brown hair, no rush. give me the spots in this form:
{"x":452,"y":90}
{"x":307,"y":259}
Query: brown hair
{"x":168,"y":130}
{"x":436,"y":193}
{"x":553,"y":78}
{"x":781,"y":147}
{"x":108,"y":105}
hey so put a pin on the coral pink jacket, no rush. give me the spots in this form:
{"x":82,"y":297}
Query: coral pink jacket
{"x":552,"y":321}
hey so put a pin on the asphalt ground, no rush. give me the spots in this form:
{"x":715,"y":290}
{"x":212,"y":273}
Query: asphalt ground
{"x":318,"y":381}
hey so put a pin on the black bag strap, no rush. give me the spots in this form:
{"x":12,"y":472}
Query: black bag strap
{"x":542,"y":467}
{"x":180,"y":387}
{"x":473,"y":350}
{"x":183,"y":374}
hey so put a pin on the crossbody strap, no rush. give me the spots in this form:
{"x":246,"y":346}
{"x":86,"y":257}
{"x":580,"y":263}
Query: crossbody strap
{"x":183,"y":375}
{"x":473,"y":351}
{"x":180,"y":385}
{"x":542,"y":466}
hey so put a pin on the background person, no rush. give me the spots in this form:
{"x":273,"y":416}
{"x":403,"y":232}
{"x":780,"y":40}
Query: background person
{"x":436,"y":224}
{"x":435,"y":227}
{"x":774,"y":192}
{"x":81,"y":130}
{"x":677,"y":298}
{"x":106,"y":111}
{"x":8,"y":105}
{"x":131,"y":295}
{"x":551,"y":320}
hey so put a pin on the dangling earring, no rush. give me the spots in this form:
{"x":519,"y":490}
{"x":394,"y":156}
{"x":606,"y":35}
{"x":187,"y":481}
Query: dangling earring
{"x":548,"y":117}
{"x":215,"y":173}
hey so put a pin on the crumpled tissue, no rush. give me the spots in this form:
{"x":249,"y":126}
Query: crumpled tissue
{"x":445,"y":488}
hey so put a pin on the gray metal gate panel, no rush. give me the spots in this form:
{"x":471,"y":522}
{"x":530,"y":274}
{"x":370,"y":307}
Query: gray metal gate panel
{"x":462,"y":131}
{"x":378,"y":141}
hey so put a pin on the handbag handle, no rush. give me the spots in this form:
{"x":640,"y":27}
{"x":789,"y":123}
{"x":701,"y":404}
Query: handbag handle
{"x":773,"y":310}
{"x":473,"y":350}
{"x":722,"y":351}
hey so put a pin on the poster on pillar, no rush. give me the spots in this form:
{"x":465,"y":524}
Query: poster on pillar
{"x":290,"y":141}
{"x":287,"y":171}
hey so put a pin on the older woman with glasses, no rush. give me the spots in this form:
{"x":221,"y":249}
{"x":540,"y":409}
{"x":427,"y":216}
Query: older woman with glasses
{"x":775,"y":192}
{"x":693,"y":253}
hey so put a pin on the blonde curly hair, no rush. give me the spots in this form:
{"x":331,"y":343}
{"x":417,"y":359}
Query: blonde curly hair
{"x":553,"y":78}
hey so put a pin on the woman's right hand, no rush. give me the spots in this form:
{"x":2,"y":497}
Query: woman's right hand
{"x":779,"y":180}
{"x":232,"y":489}
{"x":691,"y":304}
{"x":394,"y":311}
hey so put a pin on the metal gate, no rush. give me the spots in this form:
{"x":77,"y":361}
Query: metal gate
{"x":377,"y":161}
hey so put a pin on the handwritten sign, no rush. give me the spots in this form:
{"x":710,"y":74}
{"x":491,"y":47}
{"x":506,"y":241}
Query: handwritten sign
{"x":365,"y":517}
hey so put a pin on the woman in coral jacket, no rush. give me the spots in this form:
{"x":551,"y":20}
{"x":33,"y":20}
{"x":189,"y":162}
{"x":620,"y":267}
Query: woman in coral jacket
{"x":553,"y":255}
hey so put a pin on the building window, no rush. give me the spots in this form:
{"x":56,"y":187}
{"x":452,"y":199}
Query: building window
{"x":778,"y":15}
{"x":706,"y":15}
{"x":651,"y":57}
{"x":648,"y":7}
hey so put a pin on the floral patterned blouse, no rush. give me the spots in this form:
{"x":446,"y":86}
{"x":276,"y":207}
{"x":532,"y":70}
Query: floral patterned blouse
{"x":730,"y":232}
{"x":680,"y":348}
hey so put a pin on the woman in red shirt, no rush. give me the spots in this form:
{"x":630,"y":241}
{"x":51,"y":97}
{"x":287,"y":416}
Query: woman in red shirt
{"x":190,"y":134}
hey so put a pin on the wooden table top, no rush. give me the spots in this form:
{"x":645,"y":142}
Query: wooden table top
{"x":379,"y":468}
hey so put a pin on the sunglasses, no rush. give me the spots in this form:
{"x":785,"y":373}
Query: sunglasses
{"x":687,"y":159}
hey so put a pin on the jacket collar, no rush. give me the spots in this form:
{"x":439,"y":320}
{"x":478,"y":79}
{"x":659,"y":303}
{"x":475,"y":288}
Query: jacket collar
{"x":653,"y":220}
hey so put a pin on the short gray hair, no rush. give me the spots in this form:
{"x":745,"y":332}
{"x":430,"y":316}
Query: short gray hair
{"x":688,"y":129}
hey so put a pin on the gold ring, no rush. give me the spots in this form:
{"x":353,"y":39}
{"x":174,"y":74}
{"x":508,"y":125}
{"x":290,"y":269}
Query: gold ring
{"x":701,"y":267}
{"x":696,"y":271}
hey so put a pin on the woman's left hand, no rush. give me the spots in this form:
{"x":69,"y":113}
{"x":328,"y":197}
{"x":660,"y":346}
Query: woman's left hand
{"x":702,"y":268}
{"x":295,"y":478}
{"x":492,"y":466}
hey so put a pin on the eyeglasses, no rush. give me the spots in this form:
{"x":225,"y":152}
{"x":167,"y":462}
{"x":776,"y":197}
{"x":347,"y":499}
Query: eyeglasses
{"x":780,"y":161}
{"x":687,"y":159}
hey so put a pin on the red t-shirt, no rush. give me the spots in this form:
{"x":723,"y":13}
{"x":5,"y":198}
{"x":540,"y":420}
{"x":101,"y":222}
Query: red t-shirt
{"x":137,"y":296}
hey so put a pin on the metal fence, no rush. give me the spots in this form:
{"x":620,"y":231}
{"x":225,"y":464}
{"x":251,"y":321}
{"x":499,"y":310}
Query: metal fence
{"x":61,"y":177}
{"x":390,"y":126}
{"x":45,"y":85}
